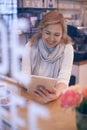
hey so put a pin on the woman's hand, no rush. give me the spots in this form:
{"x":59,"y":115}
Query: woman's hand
{"x":48,"y":96}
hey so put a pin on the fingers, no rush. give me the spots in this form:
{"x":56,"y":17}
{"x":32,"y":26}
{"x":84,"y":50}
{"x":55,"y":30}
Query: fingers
{"x":45,"y":95}
{"x":48,"y":96}
{"x":42,"y":92}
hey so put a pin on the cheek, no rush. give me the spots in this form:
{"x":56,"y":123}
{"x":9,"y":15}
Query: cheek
{"x":44,"y":36}
{"x":59,"y":38}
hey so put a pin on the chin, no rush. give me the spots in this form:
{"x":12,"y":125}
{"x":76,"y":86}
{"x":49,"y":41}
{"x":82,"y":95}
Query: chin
{"x":51,"y":46}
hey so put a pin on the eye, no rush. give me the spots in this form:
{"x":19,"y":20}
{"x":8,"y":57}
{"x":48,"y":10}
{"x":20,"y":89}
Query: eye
{"x":48,"y":33}
{"x":57,"y":35}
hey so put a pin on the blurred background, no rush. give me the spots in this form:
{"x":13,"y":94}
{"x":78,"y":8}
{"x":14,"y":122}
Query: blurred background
{"x":30,"y":13}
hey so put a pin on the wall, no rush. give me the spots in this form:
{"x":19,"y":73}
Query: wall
{"x":80,"y":72}
{"x":72,"y":10}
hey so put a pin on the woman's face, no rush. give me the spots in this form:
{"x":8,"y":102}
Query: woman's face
{"x":51,"y":35}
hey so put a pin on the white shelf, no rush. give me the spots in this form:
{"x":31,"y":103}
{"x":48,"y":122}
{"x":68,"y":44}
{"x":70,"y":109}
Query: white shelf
{"x":72,"y":9}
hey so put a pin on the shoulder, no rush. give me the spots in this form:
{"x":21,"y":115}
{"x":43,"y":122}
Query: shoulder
{"x":31,"y":49}
{"x":69,"y":47}
{"x":29,"y":46}
{"x":27,"y":49}
{"x":69,"y":51}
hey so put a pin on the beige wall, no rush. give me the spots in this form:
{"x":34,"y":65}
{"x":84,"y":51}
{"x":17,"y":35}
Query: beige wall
{"x":80,"y":71}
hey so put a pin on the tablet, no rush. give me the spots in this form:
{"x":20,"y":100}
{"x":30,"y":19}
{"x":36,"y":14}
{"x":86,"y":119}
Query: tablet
{"x":40,"y":81}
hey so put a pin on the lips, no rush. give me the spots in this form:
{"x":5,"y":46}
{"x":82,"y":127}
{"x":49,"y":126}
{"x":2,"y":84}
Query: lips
{"x":50,"y":43}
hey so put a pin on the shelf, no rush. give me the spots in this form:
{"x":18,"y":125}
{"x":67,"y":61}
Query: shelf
{"x":26,"y":10}
{"x":72,"y":9}
{"x":75,"y":0}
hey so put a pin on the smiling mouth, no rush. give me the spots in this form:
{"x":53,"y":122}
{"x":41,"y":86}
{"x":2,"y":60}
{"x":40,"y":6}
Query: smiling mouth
{"x":50,"y":43}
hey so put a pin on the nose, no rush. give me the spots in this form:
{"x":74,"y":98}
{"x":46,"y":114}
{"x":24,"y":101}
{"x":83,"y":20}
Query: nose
{"x":52,"y":38}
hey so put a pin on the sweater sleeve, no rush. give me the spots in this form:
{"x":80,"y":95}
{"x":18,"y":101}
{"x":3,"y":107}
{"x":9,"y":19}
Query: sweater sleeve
{"x":26,"y":65}
{"x":66,"y":68}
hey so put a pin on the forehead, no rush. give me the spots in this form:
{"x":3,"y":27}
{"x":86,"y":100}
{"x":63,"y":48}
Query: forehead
{"x":54,"y":28}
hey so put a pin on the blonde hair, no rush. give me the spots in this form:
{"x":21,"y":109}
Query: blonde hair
{"x":52,"y":17}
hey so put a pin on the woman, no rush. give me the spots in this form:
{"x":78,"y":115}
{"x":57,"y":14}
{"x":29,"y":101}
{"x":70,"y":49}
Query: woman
{"x":50,"y":53}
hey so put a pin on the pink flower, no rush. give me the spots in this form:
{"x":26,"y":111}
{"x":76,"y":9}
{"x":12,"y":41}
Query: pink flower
{"x":70,"y":98}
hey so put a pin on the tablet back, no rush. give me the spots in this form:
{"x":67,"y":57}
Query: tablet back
{"x":40,"y":81}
